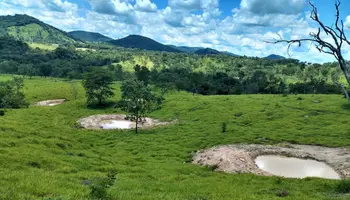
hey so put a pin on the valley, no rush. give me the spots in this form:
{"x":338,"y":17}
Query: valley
{"x":71,"y":104}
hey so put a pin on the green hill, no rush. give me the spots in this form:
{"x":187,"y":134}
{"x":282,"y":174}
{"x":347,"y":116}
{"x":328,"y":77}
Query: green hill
{"x":30,"y":29}
{"x":140,"y":42}
{"x":185,"y":48}
{"x":207,"y":51}
{"x":89,"y":36}
{"x":275,"y":57}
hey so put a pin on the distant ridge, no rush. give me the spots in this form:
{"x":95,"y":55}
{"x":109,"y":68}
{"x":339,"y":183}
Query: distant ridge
{"x":208,"y":51}
{"x":186,"y":49}
{"x":141,"y":42}
{"x":275,"y":57}
{"x":89,"y":36}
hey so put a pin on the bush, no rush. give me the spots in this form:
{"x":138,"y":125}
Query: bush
{"x":11,"y":94}
{"x":100,"y":185}
{"x":224,"y":127}
{"x":2,"y":113}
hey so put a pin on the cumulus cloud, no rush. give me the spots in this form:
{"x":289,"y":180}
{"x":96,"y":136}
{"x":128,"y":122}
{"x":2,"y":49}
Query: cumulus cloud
{"x":111,"y":7}
{"x":347,"y":22}
{"x":53,"y":5}
{"x":193,"y":4}
{"x":121,"y":10}
{"x":263,"y":7}
{"x":145,"y":6}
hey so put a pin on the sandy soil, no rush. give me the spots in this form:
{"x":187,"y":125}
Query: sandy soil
{"x":51,"y":102}
{"x":95,"y":121}
{"x":241,"y":158}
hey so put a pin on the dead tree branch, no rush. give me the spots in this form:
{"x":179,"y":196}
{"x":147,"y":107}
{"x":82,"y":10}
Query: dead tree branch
{"x":337,"y":34}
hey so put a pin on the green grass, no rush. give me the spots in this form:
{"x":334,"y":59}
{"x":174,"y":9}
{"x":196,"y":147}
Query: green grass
{"x":40,"y":146}
{"x":49,"y":47}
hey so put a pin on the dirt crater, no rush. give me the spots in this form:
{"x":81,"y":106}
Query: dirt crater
{"x":241,"y":158}
{"x":118,"y":121}
{"x":51,"y":102}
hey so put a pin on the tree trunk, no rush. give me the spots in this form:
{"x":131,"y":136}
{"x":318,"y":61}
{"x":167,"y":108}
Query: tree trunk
{"x":137,"y":125}
{"x":137,"y":121}
{"x":346,"y":70}
{"x":346,"y":94}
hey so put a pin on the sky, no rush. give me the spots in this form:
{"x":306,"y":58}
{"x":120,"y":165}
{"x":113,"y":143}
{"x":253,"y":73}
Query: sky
{"x":237,"y":26}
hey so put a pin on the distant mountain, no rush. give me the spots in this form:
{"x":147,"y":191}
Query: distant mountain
{"x":30,"y":29}
{"x":229,"y":53}
{"x":89,"y":36}
{"x":207,"y":51}
{"x":275,"y":57}
{"x":186,"y":49}
{"x":141,"y":42}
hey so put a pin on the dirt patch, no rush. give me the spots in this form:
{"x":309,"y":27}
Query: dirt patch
{"x":51,"y":102}
{"x":108,"y":121}
{"x":241,"y":158}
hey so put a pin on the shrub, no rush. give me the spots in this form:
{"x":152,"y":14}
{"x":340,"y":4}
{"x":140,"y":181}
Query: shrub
{"x":282,"y":193}
{"x":100,"y":185}
{"x":11,"y":94}
{"x":224,"y":127}
{"x":2,"y":113}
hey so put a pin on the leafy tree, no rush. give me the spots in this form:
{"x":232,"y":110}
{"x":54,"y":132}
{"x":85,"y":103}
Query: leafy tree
{"x":142,"y":74}
{"x":119,"y":72}
{"x":97,"y":84}
{"x":196,"y":80}
{"x":11,"y":94}
{"x":138,"y":100}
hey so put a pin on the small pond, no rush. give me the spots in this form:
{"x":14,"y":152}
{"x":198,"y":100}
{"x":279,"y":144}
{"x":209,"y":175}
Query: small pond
{"x":295,"y":167}
{"x":115,"y":124}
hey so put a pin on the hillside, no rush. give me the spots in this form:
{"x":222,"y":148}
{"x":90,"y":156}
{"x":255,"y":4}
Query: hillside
{"x":89,"y":36}
{"x":140,"y":42}
{"x":275,"y":57}
{"x":30,"y":29}
{"x":185,"y":48}
{"x":207,"y":51}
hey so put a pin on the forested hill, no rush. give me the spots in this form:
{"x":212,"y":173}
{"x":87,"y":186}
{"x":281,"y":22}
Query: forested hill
{"x":30,"y":29}
{"x":140,"y":42}
{"x":275,"y":57}
{"x":89,"y":36}
{"x":207,"y":51}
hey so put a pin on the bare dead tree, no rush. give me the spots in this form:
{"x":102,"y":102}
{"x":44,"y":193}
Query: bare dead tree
{"x":339,"y":38}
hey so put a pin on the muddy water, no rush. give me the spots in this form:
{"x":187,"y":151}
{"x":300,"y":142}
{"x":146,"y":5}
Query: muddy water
{"x":53,"y":104}
{"x":294,"y":167}
{"x":115,"y":124}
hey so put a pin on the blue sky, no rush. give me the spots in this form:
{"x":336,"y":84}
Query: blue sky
{"x":238,"y":26}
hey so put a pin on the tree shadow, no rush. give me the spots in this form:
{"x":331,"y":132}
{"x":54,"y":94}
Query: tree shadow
{"x":105,"y":106}
{"x":346,"y":106}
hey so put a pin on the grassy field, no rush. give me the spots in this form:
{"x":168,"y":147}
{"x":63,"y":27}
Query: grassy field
{"x":49,"y":47}
{"x":44,"y":156}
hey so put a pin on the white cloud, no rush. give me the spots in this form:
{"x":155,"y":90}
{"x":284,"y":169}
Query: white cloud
{"x":145,"y":6}
{"x":347,"y":22}
{"x":263,"y":7}
{"x":193,"y":4}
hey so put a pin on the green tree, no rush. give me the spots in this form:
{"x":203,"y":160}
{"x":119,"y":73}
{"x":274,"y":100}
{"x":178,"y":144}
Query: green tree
{"x":11,"y":94}
{"x":97,"y":84}
{"x":138,"y":100}
{"x":142,"y":73}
